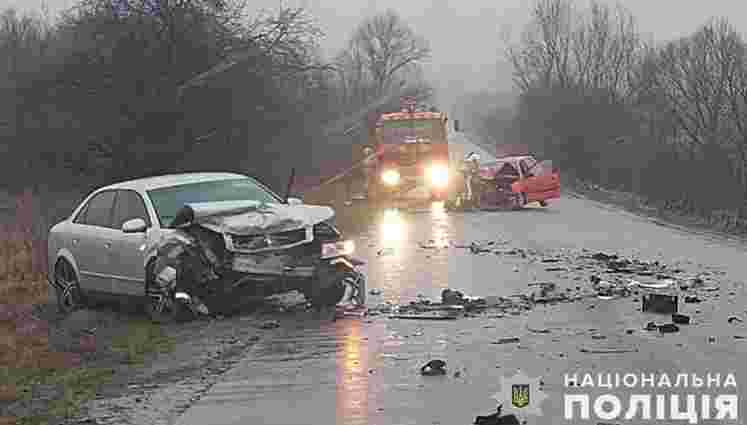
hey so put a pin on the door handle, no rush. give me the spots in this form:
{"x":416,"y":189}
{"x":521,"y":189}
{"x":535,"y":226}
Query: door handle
{"x":107,"y":245}
{"x":75,"y":241}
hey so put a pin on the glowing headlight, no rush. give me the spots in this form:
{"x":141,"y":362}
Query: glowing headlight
{"x":338,"y":249}
{"x":390,"y":177}
{"x":439,"y":175}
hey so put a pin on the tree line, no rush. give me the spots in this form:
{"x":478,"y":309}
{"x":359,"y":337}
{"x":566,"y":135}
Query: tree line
{"x":666,"y":120}
{"x":119,"y":89}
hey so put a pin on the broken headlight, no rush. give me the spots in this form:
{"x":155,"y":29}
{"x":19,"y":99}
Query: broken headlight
{"x":338,"y":249}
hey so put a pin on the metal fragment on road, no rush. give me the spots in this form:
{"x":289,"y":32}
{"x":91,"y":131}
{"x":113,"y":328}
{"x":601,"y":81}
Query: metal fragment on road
{"x":608,"y":350}
{"x":421,"y":317}
{"x":659,"y":303}
{"x":511,"y":340}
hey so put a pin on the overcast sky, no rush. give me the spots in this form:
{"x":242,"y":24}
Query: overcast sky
{"x":465,"y":34}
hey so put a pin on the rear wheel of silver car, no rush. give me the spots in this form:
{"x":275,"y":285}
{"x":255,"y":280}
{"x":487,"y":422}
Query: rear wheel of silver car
{"x":69,"y":295}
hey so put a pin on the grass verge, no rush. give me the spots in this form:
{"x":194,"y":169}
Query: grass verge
{"x":76,"y":385}
{"x":142,"y":337}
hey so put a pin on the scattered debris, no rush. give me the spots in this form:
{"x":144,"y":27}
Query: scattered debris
{"x":511,"y":340}
{"x":497,"y":419}
{"x":451,"y":297}
{"x":434,"y":368}
{"x":600,"y":256}
{"x":478,"y":249}
{"x":551,"y":260}
{"x":556,"y":269}
{"x":651,"y":326}
{"x":651,"y":285}
{"x":422,"y":317}
{"x":608,"y":350}
{"x":270,"y":324}
{"x":598,"y":337}
{"x":431,"y":244}
{"x":692,"y":299}
{"x":375,"y":292}
{"x":539,"y":331}
{"x":385,"y":252}
{"x":733,"y":319}
{"x":659,"y":303}
{"x":681,"y":319}
{"x":351,"y":311}
{"x":669,"y":328}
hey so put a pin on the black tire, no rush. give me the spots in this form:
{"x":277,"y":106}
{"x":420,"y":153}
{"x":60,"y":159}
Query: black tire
{"x":521,"y":201}
{"x":322,"y":298}
{"x":161,"y":306}
{"x":69,"y":295}
{"x":358,"y":282}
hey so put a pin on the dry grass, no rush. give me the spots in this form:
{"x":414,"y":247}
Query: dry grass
{"x":25,"y":357}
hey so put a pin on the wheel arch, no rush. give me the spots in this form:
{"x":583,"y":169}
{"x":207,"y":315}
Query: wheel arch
{"x":148,"y":263}
{"x":65,"y":255}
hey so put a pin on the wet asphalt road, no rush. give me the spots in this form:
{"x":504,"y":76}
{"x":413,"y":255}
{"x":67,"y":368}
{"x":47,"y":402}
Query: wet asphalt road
{"x":366,"y":371}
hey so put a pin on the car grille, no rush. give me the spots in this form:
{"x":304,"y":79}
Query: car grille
{"x":272,"y":241}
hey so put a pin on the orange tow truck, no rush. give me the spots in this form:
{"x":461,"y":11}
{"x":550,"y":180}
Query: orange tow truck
{"x":413,"y":152}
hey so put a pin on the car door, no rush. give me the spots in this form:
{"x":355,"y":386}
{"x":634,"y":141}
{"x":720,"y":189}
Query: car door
{"x":128,"y":273}
{"x":91,"y":242}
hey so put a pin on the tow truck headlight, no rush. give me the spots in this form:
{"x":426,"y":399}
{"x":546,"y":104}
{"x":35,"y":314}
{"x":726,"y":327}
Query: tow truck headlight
{"x":439,"y":175}
{"x":338,"y":249}
{"x":390,"y":177}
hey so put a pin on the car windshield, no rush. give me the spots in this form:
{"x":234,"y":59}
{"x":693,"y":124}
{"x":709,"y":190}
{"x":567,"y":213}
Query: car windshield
{"x":168,"y":201}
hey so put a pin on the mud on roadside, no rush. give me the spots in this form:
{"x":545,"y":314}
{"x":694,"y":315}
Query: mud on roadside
{"x":108,"y":364}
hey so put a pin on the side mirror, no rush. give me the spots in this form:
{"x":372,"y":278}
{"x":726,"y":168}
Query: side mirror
{"x":136,"y":225}
{"x":295,"y":201}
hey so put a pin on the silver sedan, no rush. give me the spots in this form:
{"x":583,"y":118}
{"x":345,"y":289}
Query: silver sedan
{"x":104,"y":247}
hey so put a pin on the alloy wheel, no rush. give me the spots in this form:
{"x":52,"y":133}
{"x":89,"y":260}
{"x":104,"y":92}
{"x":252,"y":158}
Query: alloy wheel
{"x":69,"y":297}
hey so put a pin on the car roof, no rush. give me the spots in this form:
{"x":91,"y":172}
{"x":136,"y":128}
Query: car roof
{"x":167,"y":180}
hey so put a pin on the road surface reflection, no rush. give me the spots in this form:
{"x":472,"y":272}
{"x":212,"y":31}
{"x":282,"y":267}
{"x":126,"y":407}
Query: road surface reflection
{"x":352,"y":375}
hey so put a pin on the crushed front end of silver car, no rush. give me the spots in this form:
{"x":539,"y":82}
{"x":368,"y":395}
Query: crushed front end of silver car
{"x":220,"y":253}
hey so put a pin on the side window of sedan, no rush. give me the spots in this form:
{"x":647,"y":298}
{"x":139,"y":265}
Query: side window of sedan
{"x":129,"y":206}
{"x":98,"y":211}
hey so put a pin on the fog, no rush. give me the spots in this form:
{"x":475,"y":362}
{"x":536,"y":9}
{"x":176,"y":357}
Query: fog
{"x":466,"y":36}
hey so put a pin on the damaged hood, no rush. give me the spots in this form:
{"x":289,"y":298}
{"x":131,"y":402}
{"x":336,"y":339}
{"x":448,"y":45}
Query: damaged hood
{"x":252,"y":217}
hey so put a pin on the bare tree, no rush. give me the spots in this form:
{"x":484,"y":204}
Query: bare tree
{"x":543,"y":54}
{"x":386,"y":44}
{"x":590,"y":51}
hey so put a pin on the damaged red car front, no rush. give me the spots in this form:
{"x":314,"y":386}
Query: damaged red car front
{"x":515,"y":181}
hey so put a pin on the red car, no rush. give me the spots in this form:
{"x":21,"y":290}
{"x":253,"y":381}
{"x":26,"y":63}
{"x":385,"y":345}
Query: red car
{"x":518,"y":180}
